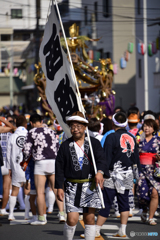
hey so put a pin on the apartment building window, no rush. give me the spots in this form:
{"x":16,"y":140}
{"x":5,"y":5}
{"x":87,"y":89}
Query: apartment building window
{"x":85,"y":15}
{"x":101,"y":52}
{"x":107,"y":55}
{"x":139,"y":68}
{"x":105,"y":8}
{"x":139,"y":7}
{"x":96,"y":11}
{"x":5,"y":37}
{"x":16,"y":13}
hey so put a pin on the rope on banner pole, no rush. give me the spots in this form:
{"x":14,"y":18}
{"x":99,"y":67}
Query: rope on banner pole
{"x":81,"y":108}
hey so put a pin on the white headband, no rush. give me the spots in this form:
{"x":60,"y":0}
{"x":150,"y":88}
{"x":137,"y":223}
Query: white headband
{"x":76,"y":118}
{"x":101,"y":128}
{"x":117,"y":123}
{"x":133,"y":120}
{"x":149,"y":116}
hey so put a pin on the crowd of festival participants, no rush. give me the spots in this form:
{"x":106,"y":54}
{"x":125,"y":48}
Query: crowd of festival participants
{"x":41,"y":165}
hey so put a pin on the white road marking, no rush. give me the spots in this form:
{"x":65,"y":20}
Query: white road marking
{"x":110,"y":235}
{"x":113,"y":227}
{"x":19,"y":218}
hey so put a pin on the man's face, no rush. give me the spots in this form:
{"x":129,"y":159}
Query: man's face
{"x":77,"y":130}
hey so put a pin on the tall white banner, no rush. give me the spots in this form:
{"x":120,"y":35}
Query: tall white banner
{"x":60,"y":87}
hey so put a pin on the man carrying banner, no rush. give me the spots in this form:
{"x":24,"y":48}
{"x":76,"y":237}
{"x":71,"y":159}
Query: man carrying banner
{"x":74,"y":162}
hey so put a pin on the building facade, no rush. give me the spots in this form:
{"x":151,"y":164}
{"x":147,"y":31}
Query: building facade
{"x":20,"y":22}
{"x":114,"y":23}
{"x":147,"y":73}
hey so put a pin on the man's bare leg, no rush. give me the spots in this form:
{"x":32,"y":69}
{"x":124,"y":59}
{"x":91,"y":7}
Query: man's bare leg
{"x":51,"y":179}
{"x":26,"y":200}
{"x":6,"y":190}
{"x":40,"y":187}
{"x":101,"y":220}
{"x":124,"y":217}
{"x":60,"y":204}
{"x":153,"y":204}
{"x":32,"y":203}
{"x":15,"y":191}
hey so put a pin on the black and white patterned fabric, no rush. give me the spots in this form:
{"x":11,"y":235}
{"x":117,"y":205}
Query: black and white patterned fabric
{"x":74,"y":155}
{"x":120,"y":178}
{"x":79,"y":196}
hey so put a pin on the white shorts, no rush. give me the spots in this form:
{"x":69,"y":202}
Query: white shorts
{"x":44,"y":167}
{"x":17,"y":184}
{"x":4,"y":171}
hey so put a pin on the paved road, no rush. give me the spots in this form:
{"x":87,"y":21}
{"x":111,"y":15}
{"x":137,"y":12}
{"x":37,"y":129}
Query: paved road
{"x":17,"y":230}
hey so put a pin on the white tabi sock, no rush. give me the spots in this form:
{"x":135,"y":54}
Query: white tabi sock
{"x":7,"y":206}
{"x":68,"y":232}
{"x":90,"y":232}
{"x":27,"y":206}
{"x":51,"y":200}
{"x":123,"y":229}
{"x":98,"y":228}
{"x":12,"y":203}
{"x":45,"y":216}
{"x":20,"y":198}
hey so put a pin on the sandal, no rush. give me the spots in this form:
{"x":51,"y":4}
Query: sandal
{"x":144,"y":217}
{"x":151,"y":222}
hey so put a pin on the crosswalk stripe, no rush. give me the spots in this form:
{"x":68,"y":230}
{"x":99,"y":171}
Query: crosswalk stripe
{"x":113,"y":227}
{"x":19,"y":218}
{"x":110,"y":235}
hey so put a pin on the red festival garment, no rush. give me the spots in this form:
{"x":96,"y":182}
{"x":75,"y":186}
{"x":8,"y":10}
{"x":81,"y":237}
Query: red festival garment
{"x":147,"y":158}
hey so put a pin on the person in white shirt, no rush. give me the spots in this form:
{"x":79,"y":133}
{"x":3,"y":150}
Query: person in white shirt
{"x":14,"y":157}
{"x":96,"y":127}
{"x":5,"y":132}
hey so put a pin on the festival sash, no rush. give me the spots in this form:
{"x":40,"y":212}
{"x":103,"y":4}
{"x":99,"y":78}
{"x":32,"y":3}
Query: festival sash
{"x":147,"y":158}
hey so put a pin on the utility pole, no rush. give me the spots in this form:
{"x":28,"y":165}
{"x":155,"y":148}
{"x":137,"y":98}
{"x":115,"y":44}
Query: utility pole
{"x":11,"y":72}
{"x":37,"y":35}
{"x":94,"y":33}
{"x":145,"y":56}
{"x":37,"y":45}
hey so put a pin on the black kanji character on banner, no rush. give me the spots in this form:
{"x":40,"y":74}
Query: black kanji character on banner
{"x":65,"y":98}
{"x":54,"y":58}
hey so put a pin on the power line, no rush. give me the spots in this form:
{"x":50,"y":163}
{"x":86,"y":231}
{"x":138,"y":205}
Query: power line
{"x":98,"y":12}
{"x":89,"y":4}
{"x":101,"y":5}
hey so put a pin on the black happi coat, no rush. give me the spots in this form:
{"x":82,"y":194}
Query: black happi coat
{"x":121,"y":146}
{"x":67,"y":165}
{"x":1,"y":157}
